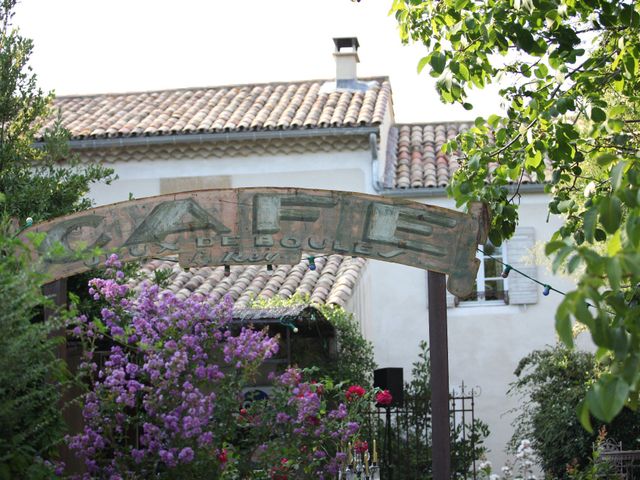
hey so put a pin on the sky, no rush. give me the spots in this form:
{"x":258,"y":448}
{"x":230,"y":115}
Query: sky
{"x":91,"y":46}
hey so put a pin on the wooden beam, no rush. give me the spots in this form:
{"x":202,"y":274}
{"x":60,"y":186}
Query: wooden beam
{"x":439,"y":355}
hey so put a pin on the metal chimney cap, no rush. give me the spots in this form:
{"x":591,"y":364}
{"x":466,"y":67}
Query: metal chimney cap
{"x":346,"y":42}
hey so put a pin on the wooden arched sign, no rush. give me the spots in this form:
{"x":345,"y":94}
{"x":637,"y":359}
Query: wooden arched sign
{"x":268,"y":226}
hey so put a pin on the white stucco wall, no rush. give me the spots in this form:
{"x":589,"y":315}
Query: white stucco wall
{"x":485,"y":343}
{"x":348,"y":170}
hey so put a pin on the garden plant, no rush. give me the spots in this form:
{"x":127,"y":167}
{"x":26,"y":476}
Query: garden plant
{"x":165,"y":380}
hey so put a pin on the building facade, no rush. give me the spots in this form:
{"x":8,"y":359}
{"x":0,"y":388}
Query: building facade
{"x":337,"y":134}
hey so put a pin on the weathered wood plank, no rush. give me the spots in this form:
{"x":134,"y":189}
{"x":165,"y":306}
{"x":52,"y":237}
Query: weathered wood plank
{"x":267,"y":226}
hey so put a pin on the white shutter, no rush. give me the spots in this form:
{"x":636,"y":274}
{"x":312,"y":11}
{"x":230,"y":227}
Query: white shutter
{"x":522,"y":291}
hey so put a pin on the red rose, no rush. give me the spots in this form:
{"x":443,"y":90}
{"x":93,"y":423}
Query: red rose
{"x":360,"y":446}
{"x":354,"y":392}
{"x":384,"y":398}
{"x":222,"y":456}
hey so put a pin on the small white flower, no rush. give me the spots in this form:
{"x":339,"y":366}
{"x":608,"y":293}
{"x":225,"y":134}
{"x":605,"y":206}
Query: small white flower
{"x":486,"y":465}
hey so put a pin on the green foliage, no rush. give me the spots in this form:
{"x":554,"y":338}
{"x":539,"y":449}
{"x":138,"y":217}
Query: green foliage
{"x":32,"y":180}
{"x":32,"y":184}
{"x":553,"y":383}
{"x":465,"y":449}
{"x":596,"y":468}
{"x":353,"y":361}
{"x":31,"y":377}
{"x":572,"y":115}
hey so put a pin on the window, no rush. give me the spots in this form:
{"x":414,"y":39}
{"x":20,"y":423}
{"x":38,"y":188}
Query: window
{"x":490,"y":287}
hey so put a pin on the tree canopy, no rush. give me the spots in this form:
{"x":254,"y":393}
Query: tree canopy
{"x":45,"y":182}
{"x":569,"y":76}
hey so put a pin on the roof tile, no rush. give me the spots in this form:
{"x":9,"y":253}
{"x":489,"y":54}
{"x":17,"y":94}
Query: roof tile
{"x":287,"y":105}
{"x":332,"y":282}
{"x":415,"y":158}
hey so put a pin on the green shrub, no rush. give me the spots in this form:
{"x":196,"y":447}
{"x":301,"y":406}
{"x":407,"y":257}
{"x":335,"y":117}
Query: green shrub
{"x":30,"y":374}
{"x":552,"y":383}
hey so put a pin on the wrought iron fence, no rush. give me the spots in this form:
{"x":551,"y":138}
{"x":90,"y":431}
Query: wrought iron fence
{"x":402,"y":435}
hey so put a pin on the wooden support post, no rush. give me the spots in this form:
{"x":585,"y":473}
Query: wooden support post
{"x":439,"y":355}
{"x":72,"y":413}
{"x":57,"y":291}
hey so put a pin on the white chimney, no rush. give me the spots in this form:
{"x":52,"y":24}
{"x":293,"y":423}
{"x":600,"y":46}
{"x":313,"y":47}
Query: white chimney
{"x":346,"y":56}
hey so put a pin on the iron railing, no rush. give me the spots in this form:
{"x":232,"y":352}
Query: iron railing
{"x":402,"y":437}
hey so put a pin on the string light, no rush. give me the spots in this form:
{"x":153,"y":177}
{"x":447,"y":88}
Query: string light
{"x":312,"y":263}
{"x":227,"y":270}
{"x":289,"y":324}
{"x":269,"y":270}
{"x":506,"y":271}
{"x":546,"y":288}
{"x":27,"y":223}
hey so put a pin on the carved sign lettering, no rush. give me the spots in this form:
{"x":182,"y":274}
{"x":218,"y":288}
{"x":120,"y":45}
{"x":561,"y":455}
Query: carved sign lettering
{"x":268,"y":226}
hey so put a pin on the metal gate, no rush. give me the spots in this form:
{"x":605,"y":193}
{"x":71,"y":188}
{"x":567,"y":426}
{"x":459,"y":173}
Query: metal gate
{"x":403,"y":436}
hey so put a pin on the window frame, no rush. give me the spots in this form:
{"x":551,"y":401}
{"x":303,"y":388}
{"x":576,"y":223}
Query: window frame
{"x":480,"y":300}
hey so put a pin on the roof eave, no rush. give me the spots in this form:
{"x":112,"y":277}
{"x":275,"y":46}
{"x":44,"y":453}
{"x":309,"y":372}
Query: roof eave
{"x":442,"y":191}
{"x":215,"y":137}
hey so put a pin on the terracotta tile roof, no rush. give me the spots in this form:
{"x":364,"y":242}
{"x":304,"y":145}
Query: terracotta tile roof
{"x":332,"y":282}
{"x":274,"y":106}
{"x":415,"y":158}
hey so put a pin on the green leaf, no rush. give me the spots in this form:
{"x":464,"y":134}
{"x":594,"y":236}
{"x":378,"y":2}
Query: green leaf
{"x":438,"y":61}
{"x":542,"y":71}
{"x":422,"y":63}
{"x":606,"y":159}
{"x":598,"y":115}
{"x":614,"y":245}
{"x":563,"y":322}
{"x":607,"y":397}
{"x":464,"y":72}
{"x":614,"y":271}
{"x":616,"y":174}
{"x":560,"y":257}
{"x":493,"y":120}
{"x":610,"y":213}
{"x":574,"y":263}
{"x":524,"y":39}
{"x":584,"y":416}
{"x":590,"y":220}
{"x":551,"y":247}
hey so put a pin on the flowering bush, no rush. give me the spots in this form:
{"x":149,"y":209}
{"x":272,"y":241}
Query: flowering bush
{"x":308,"y":424}
{"x":165,"y":398}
